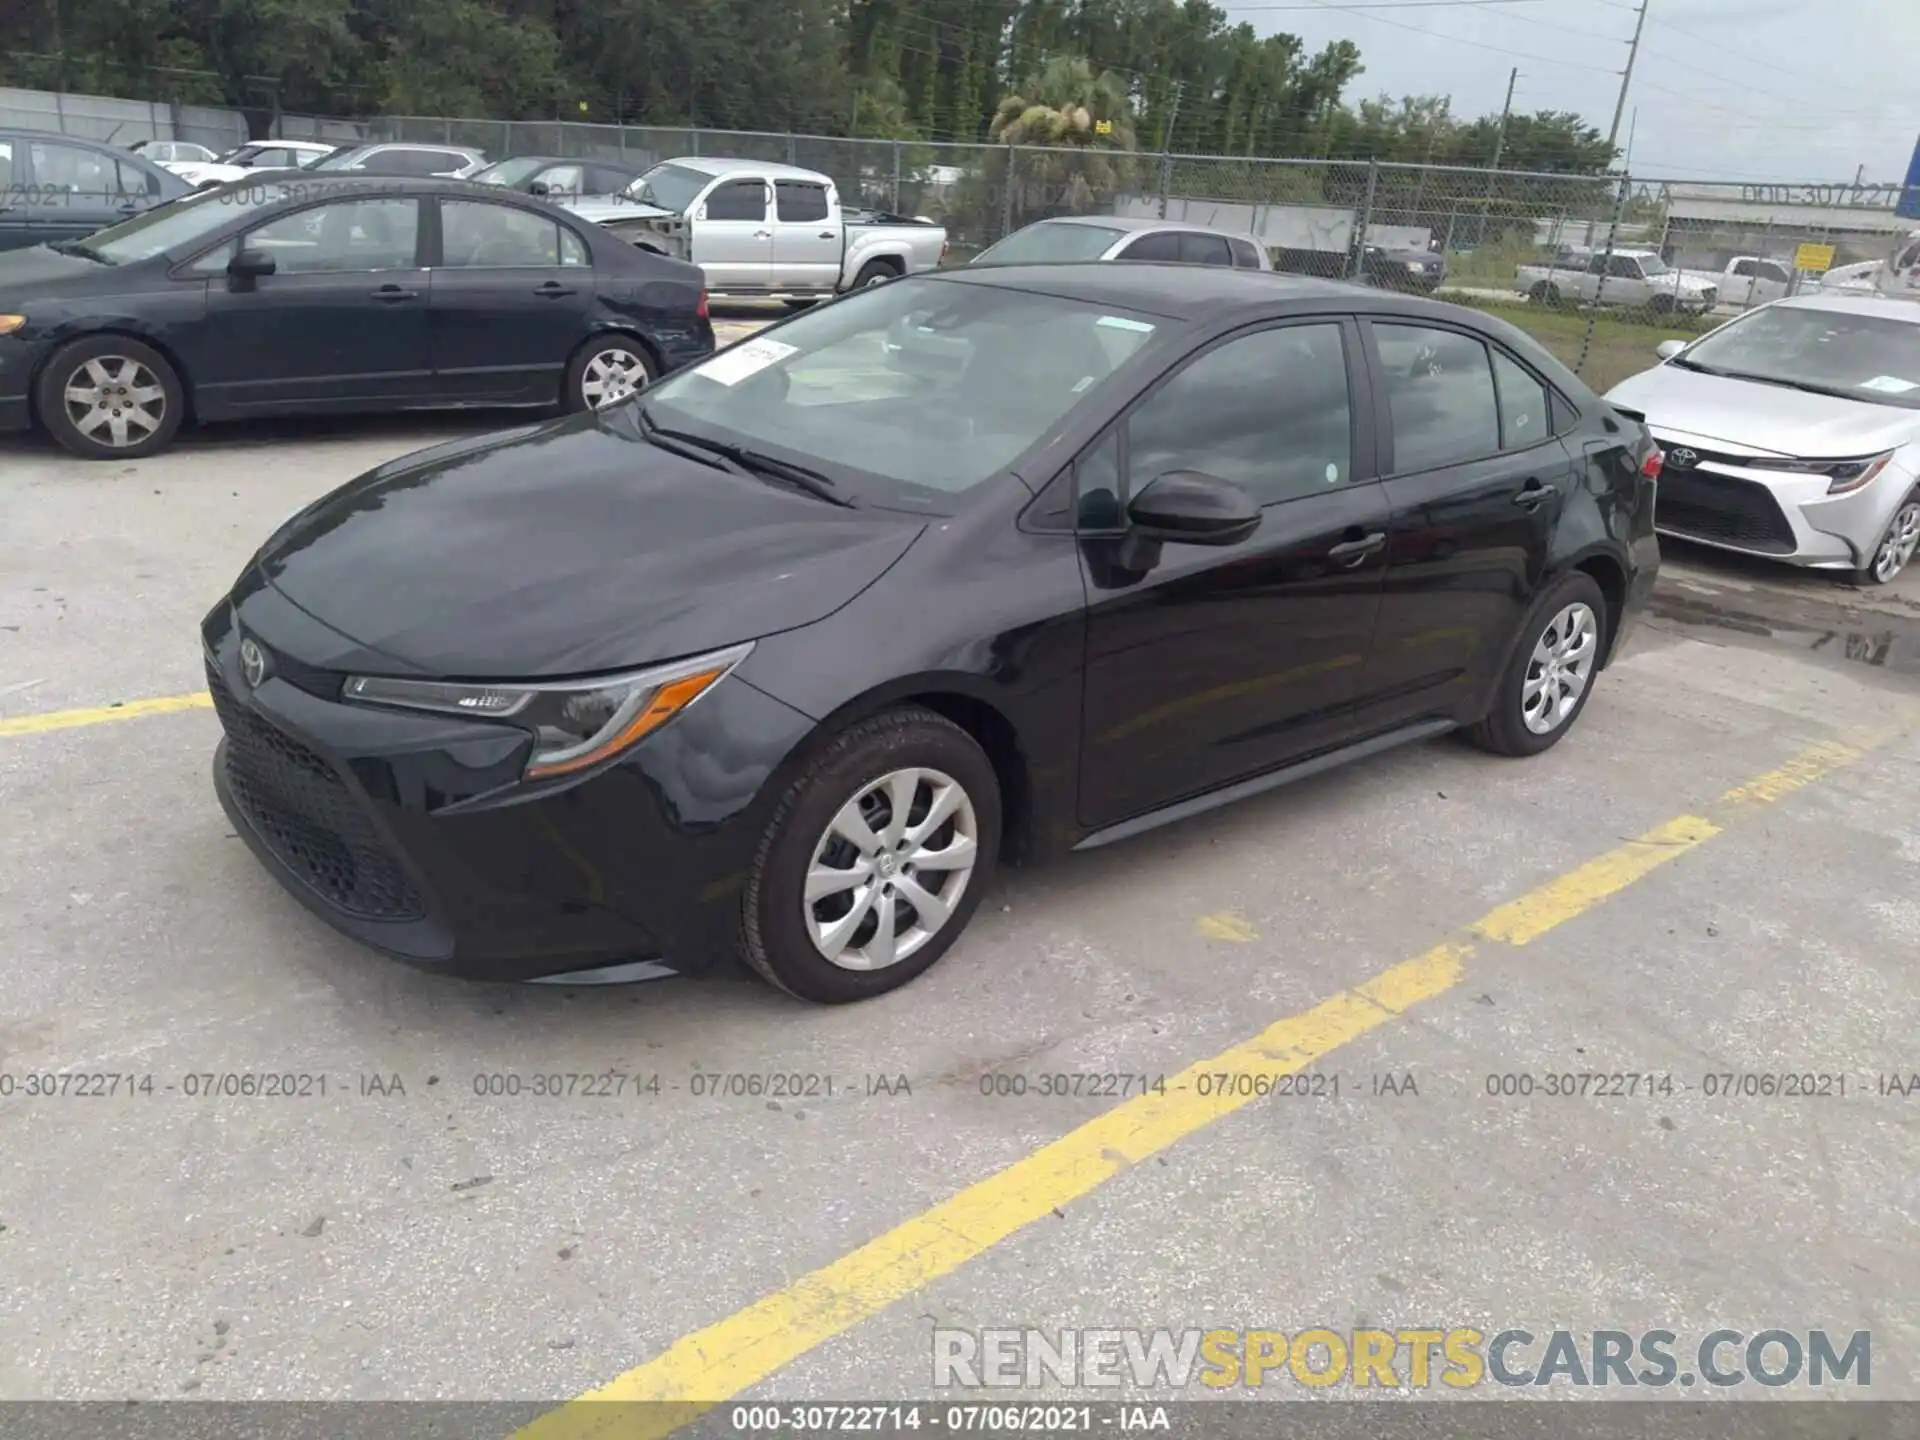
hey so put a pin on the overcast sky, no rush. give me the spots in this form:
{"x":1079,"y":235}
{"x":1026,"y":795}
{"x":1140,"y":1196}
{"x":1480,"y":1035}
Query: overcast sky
{"x":1725,"y":89}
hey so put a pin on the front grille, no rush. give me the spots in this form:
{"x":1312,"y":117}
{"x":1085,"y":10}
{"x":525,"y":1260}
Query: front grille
{"x":1719,"y":507}
{"x":301,"y":808}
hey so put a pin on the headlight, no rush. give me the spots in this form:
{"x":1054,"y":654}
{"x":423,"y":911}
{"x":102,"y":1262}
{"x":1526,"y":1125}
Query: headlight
{"x":1843,"y":476}
{"x":1415,"y":266}
{"x":11,"y":323}
{"x":576,"y":723}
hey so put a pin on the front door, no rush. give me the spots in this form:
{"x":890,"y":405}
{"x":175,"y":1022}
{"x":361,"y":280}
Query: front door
{"x":1476,"y":479}
{"x":1220,"y":662}
{"x":342,"y":322}
{"x":733,"y":236}
{"x":510,"y":297}
{"x":808,"y":240}
{"x":75,"y":190}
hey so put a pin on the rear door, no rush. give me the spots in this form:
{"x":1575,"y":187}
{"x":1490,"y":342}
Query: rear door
{"x":1476,"y":479}
{"x":808,"y":241}
{"x":733,"y":235}
{"x":75,"y":190}
{"x":341,"y":324}
{"x":511,"y":292}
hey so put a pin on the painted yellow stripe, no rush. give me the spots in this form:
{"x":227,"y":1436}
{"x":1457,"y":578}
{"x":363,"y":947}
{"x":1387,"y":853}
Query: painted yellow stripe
{"x":709,"y":1366}
{"x":72,"y":719}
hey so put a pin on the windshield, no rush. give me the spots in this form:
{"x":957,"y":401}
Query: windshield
{"x":1050,"y":241}
{"x":333,"y":159}
{"x":1653,"y":265}
{"x":1864,"y":357}
{"x":508,"y":172}
{"x":671,"y":187}
{"x":175,"y":226}
{"x":905,"y":394}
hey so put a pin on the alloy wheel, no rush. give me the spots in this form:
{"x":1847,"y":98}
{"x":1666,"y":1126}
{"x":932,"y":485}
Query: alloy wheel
{"x":1903,"y":538}
{"x":890,"y":869}
{"x":115,"y":401}
{"x":612,"y":375}
{"x":1559,"y":668}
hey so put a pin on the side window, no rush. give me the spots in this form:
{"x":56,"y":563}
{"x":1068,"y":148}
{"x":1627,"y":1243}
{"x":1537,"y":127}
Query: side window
{"x":1098,"y":504}
{"x":1770,"y":271}
{"x":1624,"y":267}
{"x":1523,"y":405}
{"x":562,"y":179}
{"x":135,"y":181}
{"x":604,"y":180}
{"x":573,"y":250}
{"x":1440,"y":392}
{"x":1597,"y":264}
{"x":800,"y":200}
{"x":738,"y":200}
{"x":73,"y":169}
{"x":1198,"y":249}
{"x":216,"y":260}
{"x":476,"y":234}
{"x":347,"y":235}
{"x":1269,"y":411}
{"x":1745,"y":268}
{"x":1156,"y":245}
{"x":1245,"y":256}
{"x":7,"y":175}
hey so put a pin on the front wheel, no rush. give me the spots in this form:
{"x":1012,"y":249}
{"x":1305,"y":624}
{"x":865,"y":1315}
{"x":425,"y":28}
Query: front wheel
{"x":1551,"y":675}
{"x":109,"y":397}
{"x":875,"y":860}
{"x":1545,"y":294}
{"x":1897,"y":546}
{"x":605,"y":371}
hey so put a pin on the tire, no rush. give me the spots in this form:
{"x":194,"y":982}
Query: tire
{"x":1506,"y":729}
{"x":874,"y":272}
{"x":606,"y":370}
{"x":1898,"y":544}
{"x":799,"y":304}
{"x":137,"y":398}
{"x":1661,"y":305}
{"x":1545,"y":294}
{"x":856,"y":771}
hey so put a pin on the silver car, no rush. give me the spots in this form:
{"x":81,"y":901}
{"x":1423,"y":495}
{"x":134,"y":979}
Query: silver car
{"x":1793,"y":432}
{"x":1124,"y":237}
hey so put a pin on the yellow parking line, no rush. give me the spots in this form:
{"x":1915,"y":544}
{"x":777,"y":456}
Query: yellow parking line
{"x":98,"y":715}
{"x":706,"y":1368}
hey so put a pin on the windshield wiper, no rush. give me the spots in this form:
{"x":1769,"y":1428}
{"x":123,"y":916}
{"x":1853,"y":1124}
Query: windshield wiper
{"x":742,"y":461}
{"x":1680,"y":362}
{"x":82,"y":249}
{"x":1808,"y":386}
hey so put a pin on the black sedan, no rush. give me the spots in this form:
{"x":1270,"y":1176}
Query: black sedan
{"x":273,"y":297}
{"x":781,"y":658}
{"x":1400,"y":268}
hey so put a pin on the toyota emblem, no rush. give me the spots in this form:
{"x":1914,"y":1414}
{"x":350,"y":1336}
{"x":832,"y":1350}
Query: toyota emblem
{"x":1682,"y":459}
{"x":253,"y":664}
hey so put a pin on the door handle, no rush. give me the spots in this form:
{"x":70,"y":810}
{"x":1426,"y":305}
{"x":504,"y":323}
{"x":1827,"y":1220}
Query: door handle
{"x":828,"y":235}
{"x":552,"y":290}
{"x":763,"y":234}
{"x":393,"y":293}
{"x":1532,"y":494}
{"x":1351,"y":552}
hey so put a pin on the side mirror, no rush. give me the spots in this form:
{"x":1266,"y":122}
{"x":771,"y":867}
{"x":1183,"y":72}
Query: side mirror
{"x":1667,"y":349}
{"x":1190,"y":508}
{"x":248,"y":266}
{"x":539,"y":187}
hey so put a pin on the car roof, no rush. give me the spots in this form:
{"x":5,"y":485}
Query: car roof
{"x":1176,"y":291}
{"x":1137,"y":224}
{"x":723,"y":165}
{"x":348,"y":183}
{"x":1890,"y":307}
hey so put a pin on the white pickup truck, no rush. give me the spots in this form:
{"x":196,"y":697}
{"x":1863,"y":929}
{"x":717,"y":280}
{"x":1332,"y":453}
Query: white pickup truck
{"x":1749,"y":280}
{"x":1625,"y":280}
{"x":762,"y":230}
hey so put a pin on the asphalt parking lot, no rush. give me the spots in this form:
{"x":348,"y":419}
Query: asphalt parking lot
{"x":1713,"y":875}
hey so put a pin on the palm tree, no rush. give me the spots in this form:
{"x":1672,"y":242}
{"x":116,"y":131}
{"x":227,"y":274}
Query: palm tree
{"x":1081,"y":125}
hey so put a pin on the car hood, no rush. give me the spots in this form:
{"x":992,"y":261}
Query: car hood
{"x":570,"y":548}
{"x":38,"y":273}
{"x":1748,"y":415}
{"x":602,"y":208}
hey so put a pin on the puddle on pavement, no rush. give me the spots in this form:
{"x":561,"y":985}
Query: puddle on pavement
{"x":1890,"y":643}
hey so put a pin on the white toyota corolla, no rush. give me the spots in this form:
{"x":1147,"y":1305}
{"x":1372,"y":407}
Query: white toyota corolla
{"x":1793,"y":432}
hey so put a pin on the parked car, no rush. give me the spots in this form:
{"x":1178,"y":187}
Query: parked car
{"x":172,"y":152}
{"x":763,"y":230}
{"x":1860,"y":278}
{"x":1124,"y":237}
{"x":253,"y":159}
{"x":1793,"y":432}
{"x":54,"y":188}
{"x":339,"y":296}
{"x":419,"y":161}
{"x":1399,"y":267}
{"x":779,"y":660}
{"x":558,"y":177}
{"x":1748,"y":280}
{"x":1624,"y":279}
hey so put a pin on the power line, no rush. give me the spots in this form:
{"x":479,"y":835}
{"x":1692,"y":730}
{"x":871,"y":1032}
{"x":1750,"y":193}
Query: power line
{"x":1458,"y":40}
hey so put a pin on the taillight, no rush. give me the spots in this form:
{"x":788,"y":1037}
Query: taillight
{"x":1650,"y":467}
{"x":701,"y":308}
{"x":945,"y":245}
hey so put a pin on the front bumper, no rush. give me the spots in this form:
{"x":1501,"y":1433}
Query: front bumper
{"x":18,"y":359}
{"x":411,"y":833}
{"x":1780,"y":516}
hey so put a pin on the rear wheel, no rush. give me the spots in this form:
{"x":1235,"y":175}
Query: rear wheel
{"x":875,"y":860}
{"x":605,"y":371}
{"x":1544,"y":293}
{"x":875,"y":272}
{"x":1551,"y":675}
{"x":1897,"y":545}
{"x":109,"y":397}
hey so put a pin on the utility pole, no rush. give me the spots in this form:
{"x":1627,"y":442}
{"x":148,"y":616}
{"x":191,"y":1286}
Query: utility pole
{"x":1499,"y":144}
{"x":1626,"y":76}
{"x":1166,"y":146}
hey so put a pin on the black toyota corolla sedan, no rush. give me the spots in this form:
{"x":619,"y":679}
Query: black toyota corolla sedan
{"x":332,"y":295}
{"x":780,"y":658}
